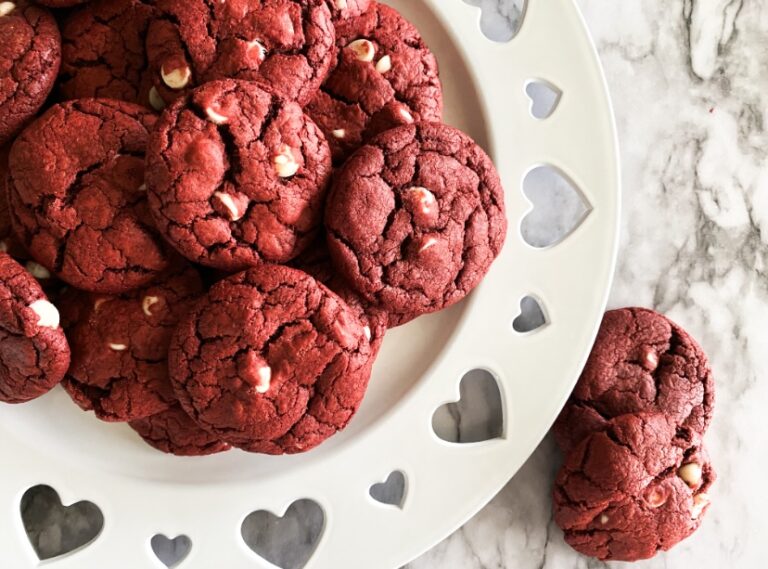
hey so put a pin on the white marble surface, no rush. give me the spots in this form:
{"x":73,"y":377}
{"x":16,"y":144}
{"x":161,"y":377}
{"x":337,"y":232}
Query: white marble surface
{"x":689,"y":80}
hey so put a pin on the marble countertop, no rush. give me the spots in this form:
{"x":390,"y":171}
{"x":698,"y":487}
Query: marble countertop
{"x":689,"y":81}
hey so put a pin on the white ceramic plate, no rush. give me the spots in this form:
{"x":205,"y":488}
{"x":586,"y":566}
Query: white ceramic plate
{"x":142,"y":492}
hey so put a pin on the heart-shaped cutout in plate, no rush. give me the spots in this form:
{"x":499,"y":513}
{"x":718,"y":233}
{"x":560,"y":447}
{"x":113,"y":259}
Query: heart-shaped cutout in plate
{"x":500,"y":21}
{"x":544,"y":98}
{"x":532,"y":316}
{"x":392,"y":491}
{"x":478,"y":415}
{"x":559,"y":207}
{"x":286,"y":541}
{"x":171,"y":551}
{"x":54,"y":529}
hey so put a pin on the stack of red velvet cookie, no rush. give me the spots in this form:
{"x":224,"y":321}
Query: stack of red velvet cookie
{"x":241,"y":198}
{"x":636,"y":473}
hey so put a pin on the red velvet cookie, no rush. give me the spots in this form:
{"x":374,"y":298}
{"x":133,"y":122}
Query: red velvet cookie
{"x":237,"y":176}
{"x":285,"y":44}
{"x":641,"y":361}
{"x":78,"y":198}
{"x":30,"y":55}
{"x":103,"y":51}
{"x":8,"y":242}
{"x":385,"y":77}
{"x":271,"y":361}
{"x":627,"y":492}
{"x":120,"y":347}
{"x":174,"y":432}
{"x":415,"y":219}
{"x":34,"y":354}
{"x":343,"y":9}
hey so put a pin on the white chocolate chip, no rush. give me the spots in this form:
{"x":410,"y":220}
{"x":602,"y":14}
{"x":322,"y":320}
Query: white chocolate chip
{"x":216,"y":117}
{"x":6,"y":8}
{"x":3,"y":246}
{"x":656,"y":498}
{"x":285,"y":163}
{"x":147,"y":302}
{"x":700,"y":502}
{"x":425,"y":197}
{"x":47,"y":314}
{"x":650,"y":359}
{"x":155,"y":100}
{"x":38,"y":271}
{"x":229,"y":203}
{"x":364,"y":50}
{"x":428,"y":244}
{"x":339,"y":133}
{"x":118,"y":347}
{"x":367,"y":332}
{"x":341,"y":4}
{"x":261,"y":50}
{"x":604,"y":519}
{"x":690,"y":474}
{"x":142,"y":188}
{"x":406,"y":115}
{"x":98,"y":303}
{"x":384,"y":64}
{"x":265,"y":379}
{"x":176,"y":78}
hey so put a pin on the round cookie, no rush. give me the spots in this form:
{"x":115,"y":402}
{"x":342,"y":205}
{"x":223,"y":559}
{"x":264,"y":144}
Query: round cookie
{"x":271,"y":361}
{"x":641,"y":361}
{"x":174,"y":432}
{"x":30,"y":55}
{"x":343,"y":9}
{"x":385,"y":77}
{"x":415,"y":219}
{"x":628,"y":492}
{"x":285,"y":44}
{"x":237,"y":176}
{"x":78,"y":198}
{"x":120,"y":347}
{"x":34,"y":354}
{"x":103,"y":51}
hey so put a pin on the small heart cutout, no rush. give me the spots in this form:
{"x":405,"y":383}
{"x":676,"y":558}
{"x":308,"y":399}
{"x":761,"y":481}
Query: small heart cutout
{"x":500,"y":21}
{"x":54,"y":529}
{"x":544,"y":98}
{"x":478,"y":416}
{"x":288,"y":541}
{"x":559,"y":207}
{"x":392,"y":491}
{"x":171,"y":551}
{"x":532,"y":316}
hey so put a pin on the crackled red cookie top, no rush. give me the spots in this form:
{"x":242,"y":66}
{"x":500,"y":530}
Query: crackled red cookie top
{"x":286,"y":44}
{"x":120,"y":347}
{"x":103,"y":51}
{"x":237,"y":176}
{"x":30,"y":54}
{"x":8,"y":242}
{"x":174,"y":432}
{"x":415,"y":219}
{"x":271,"y":361}
{"x":34,"y":354}
{"x":78,"y":197}
{"x":627,"y":492}
{"x":385,"y":77}
{"x":343,"y":9}
{"x":641,"y":361}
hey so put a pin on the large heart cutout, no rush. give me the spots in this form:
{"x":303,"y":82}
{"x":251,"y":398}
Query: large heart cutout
{"x":500,"y":21}
{"x":532,"y":316}
{"x":54,"y":529}
{"x":288,"y":541}
{"x":478,"y":415}
{"x":392,"y":491}
{"x":559,"y":207}
{"x":171,"y":551}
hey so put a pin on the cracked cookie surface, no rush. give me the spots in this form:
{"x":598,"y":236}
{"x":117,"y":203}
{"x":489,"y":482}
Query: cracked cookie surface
{"x":271,"y":361}
{"x":8,"y":241}
{"x":627,"y":492}
{"x":174,"y":432}
{"x":78,"y":199}
{"x":30,"y":55}
{"x":103,"y":51}
{"x":237,"y":176}
{"x":285,"y":44}
{"x":415,"y":219}
{"x":343,"y":9}
{"x":385,"y":76}
{"x":34,"y":354}
{"x":120,"y":345}
{"x":641,"y":361}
